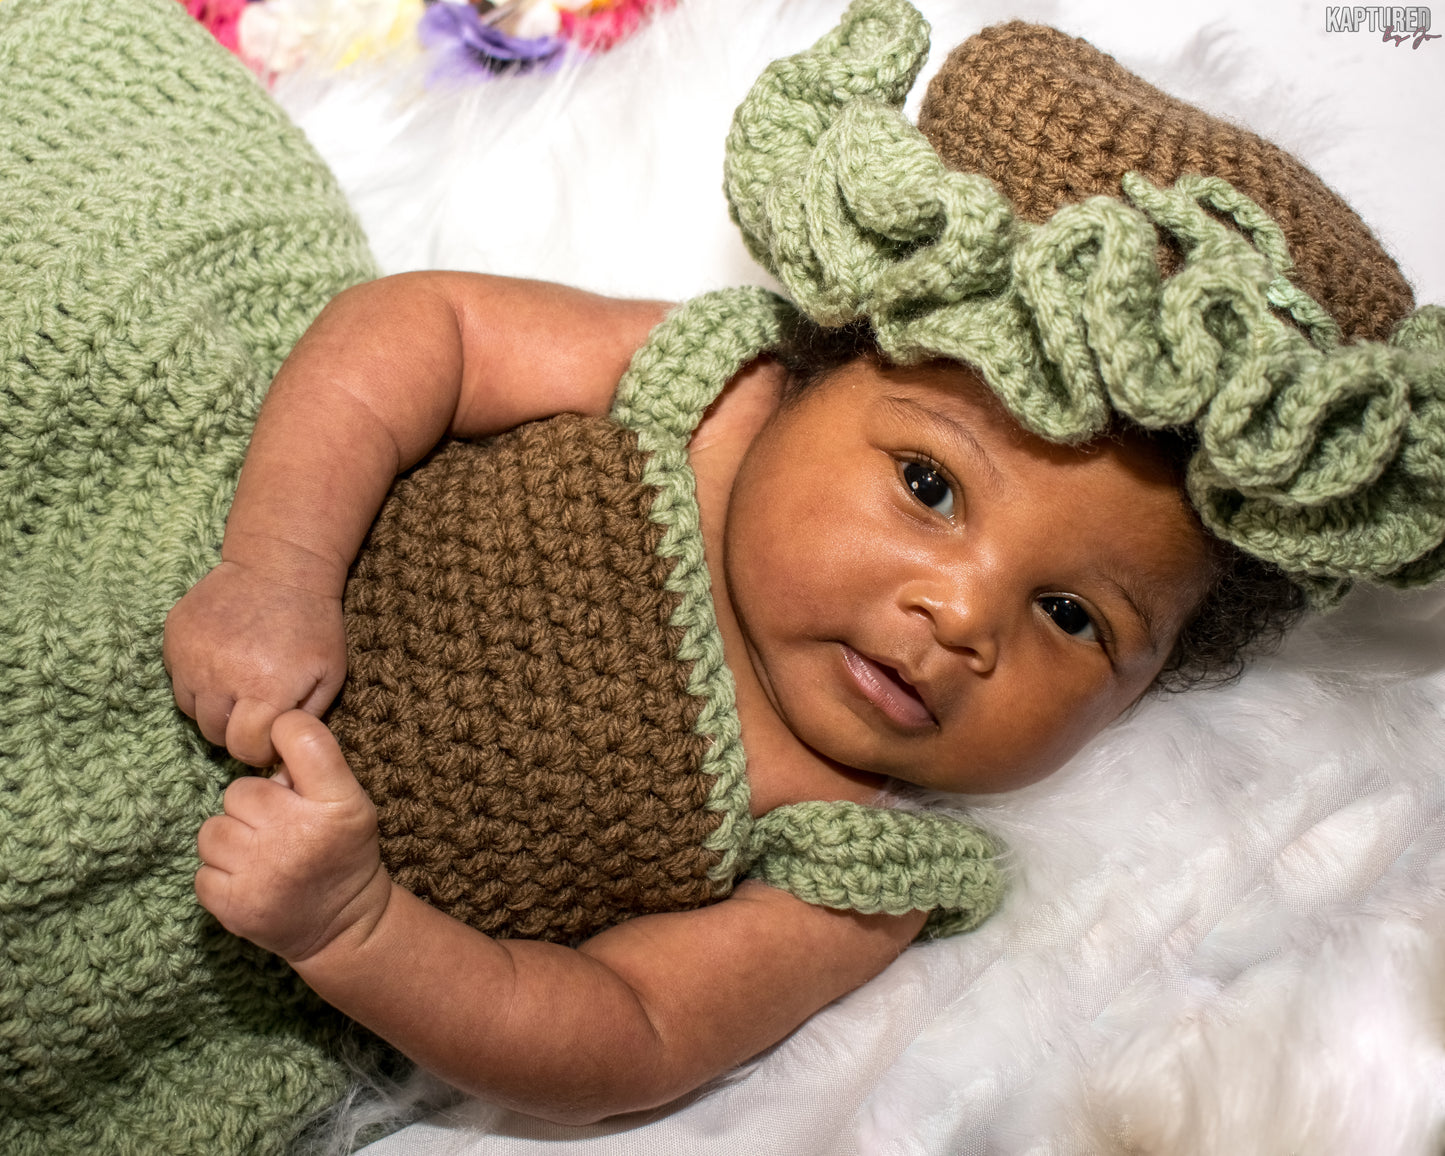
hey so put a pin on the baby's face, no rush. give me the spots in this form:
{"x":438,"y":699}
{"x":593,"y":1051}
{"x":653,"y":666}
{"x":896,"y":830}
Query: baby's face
{"x":929,"y":592}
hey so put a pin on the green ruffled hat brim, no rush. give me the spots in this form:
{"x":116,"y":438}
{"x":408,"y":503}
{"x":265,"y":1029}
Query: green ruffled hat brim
{"x":1326,"y":460}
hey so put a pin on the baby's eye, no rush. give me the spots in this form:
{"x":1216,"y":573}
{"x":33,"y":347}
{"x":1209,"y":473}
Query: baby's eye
{"x":1070,"y":617}
{"x":929,"y":486}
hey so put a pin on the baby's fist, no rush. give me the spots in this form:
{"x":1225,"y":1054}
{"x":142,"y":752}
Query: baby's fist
{"x":294,"y":862}
{"x":243,"y":648}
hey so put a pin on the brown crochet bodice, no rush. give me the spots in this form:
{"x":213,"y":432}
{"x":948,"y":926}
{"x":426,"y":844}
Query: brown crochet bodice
{"x":514,"y":705}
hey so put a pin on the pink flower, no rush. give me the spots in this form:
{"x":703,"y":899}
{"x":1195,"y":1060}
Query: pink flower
{"x":221,"y":17}
{"x":596,"y":30}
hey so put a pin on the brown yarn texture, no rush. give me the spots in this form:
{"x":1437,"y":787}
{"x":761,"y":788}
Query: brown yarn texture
{"x":514,"y":705}
{"x":1052,"y":120}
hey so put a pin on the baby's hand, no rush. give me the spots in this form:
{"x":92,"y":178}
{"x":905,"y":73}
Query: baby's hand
{"x":242,"y":648}
{"x":294,"y":862}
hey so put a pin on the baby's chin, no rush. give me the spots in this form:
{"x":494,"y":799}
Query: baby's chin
{"x":990,"y":779}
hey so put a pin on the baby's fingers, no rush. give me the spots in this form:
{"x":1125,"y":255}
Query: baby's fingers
{"x":248,"y":732}
{"x":313,"y":760}
{"x":214,"y":890}
{"x":225,"y":843}
{"x":225,"y":846}
{"x":212,"y":713}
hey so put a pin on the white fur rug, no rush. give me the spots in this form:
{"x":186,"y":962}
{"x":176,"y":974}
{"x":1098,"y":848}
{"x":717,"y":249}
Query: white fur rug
{"x":1227,"y":932}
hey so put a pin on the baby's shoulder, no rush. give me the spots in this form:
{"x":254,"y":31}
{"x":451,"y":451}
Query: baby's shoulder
{"x":741,"y":410}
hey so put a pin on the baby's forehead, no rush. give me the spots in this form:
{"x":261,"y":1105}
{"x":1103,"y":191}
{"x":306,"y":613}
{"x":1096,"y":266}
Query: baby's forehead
{"x":960,"y":393}
{"x":942,"y":390}
{"x":1126,"y":471}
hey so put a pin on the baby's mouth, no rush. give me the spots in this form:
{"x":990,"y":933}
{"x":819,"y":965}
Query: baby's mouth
{"x":886,"y":688}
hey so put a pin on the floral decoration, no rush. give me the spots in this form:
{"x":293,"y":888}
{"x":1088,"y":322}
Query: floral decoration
{"x":466,"y":37}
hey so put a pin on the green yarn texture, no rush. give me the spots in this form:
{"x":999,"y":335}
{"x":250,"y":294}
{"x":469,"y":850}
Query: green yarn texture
{"x":875,"y":859}
{"x":672,"y":379}
{"x":838,"y":855}
{"x":165,"y":237}
{"x":1326,"y":460}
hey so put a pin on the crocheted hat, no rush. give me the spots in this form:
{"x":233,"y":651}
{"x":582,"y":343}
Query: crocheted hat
{"x":1098,"y":250}
{"x":1051,"y":121}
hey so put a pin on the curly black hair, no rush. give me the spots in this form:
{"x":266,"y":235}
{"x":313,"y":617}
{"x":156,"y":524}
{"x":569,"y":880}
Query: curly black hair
{"x":1250,"y":605}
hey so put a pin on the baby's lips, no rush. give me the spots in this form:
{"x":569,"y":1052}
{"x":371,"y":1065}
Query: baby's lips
{"x":890,"y":689}
{"x":914,"y":683}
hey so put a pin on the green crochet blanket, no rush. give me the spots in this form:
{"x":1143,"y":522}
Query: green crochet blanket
{"x":165,"y":237}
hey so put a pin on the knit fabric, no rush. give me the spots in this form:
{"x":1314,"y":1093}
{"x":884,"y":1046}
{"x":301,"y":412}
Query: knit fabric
{"x":165,"y":237}
{"x":1323,"y":458}
{"x":1052,"y":121}
{"x":513,"y":705}
{"x":536,"y":697}
{"x":874,"y":859}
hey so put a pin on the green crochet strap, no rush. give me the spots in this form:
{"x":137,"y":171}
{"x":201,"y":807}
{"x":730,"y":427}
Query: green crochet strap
{"x":686,"y":362}
{"x":834,"y":854}
{"x":873,"y":860}
{"x":1327,"y":461}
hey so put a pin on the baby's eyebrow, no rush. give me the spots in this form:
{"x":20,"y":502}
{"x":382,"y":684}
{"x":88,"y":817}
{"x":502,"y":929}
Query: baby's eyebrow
{"x":949,"y":429}
{"x":1140,"y":606}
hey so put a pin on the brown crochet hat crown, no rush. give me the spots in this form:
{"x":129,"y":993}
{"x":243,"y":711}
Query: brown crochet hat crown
{"x":1051,"y":121}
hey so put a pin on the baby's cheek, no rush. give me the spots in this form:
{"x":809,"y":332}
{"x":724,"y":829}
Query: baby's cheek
{"x":1049,"y":726}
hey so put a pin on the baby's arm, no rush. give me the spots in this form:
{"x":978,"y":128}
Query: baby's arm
{"x":386,"y":371}
{"x":637,"y":1016}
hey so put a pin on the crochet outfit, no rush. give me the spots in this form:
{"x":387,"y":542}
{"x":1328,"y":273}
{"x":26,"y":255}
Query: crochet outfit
{"x":536,"y":698}
{"x":167,"y":237}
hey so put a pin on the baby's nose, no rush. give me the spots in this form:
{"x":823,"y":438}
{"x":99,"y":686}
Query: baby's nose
{"x":959,"y":614}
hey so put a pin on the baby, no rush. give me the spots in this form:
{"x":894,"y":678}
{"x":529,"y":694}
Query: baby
{"x":1006,"y":477}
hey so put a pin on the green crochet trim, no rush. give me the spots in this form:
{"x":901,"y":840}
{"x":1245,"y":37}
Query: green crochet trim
{"x":835,"y":854}
{"x":1327,"y":461}
{"x":873,"y":859}
{"x":686,"y":362}
{"x":166,"y":237}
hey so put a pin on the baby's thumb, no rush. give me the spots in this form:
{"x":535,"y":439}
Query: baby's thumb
{"x":311,"y":758}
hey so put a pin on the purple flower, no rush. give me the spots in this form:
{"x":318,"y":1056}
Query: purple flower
{"x":459,"y":31}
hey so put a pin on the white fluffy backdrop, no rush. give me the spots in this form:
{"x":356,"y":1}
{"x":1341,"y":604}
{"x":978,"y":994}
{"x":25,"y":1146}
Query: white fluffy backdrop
{"x":1226,"y":932}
